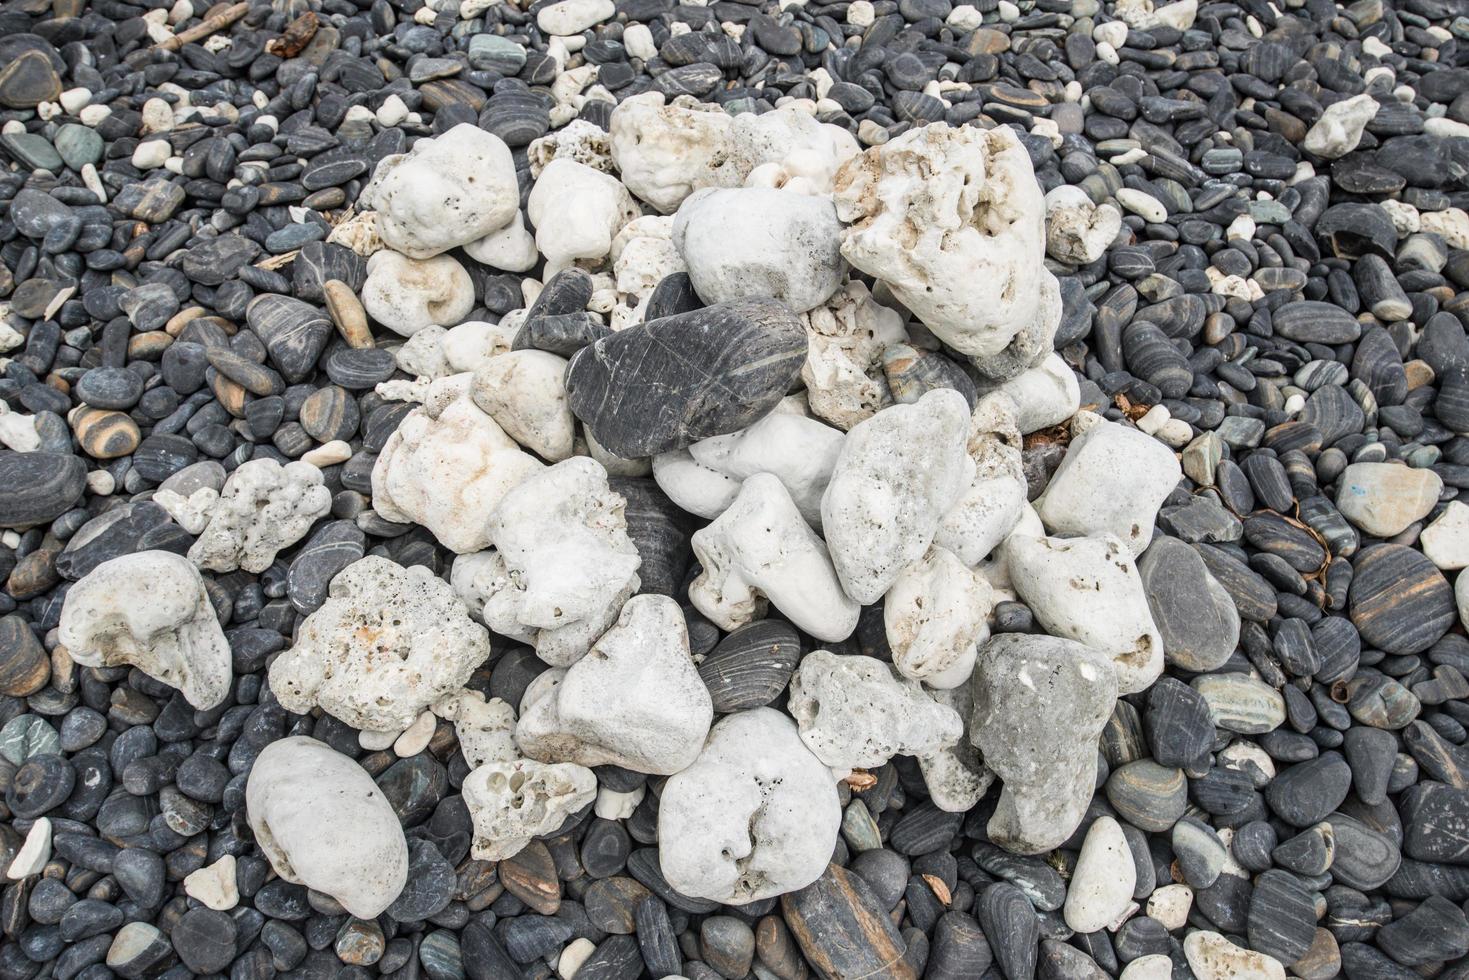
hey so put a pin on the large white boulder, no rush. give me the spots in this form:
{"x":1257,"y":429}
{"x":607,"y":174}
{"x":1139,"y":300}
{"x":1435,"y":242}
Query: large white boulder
{"x":577,"y":211}
{"x":634,"y":701}
{"x":322,"y":822}
{"x":510,"y":803}
{"x":388,"y":642}
{"x":406,"y":295}
{"x":149,"y":609}
{"x":447,"y":466}
{"x":263,"y":508}
{"x":760,"y":548}
{"x":446,"y":191}
{"x":755,"y":816}
{"x":936,"y":615}
{"x":898,"y":473}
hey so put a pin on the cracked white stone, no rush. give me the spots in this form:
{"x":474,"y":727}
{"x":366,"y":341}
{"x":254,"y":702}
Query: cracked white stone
{"x":897,"y":474}
{"x":485,"y":728}
{"x":525,"y":392}
{"x":846,"y":338}
{"x":577,"y":211}
{"x":635,"y":700}
{"x":1212,"y":957}
{"x":1113,"y":479}
{"x":750,"y":242}
{"x":387,"y":643}
{"x":511,"y":803}
{"x":936,"y":615}
{"x":1340,"y":127}
{"x":612,"y":805}
{"x":447,"y":466}
{"x":992,"y":504}
{"x":263,"y":508}
{"x":1078,"y":231}
{"x":760,"y":547}
{"x":150,"y":609}
{"x":446,"y":191}
{"x":643,"y":255}
{"x":755,"y":816}
{"x":855,"y":712}
{"x":322,"y":822}
{"x":1089,"y":590}
{"x":214,"y":885}
{"x":955,"y":775}
{"x":406,"y":295}
{"x":954,"y":222}
{"x":1045,"y":395}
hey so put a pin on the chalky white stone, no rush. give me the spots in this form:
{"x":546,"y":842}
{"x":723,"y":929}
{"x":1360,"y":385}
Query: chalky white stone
{"x":992,"y":504}
{"x":573,"y":16}
{"x":447,"y":466}
{"x":1045,"y":395}
{"x":1155,"y":966}
{"x":388,"y":642}
{"x":759,"y":548}
{"x":510,"y":803}
{"x":1089,"y":590}
{"x":1170,"y":905}
{"x":1212,"y":957}
{"x":1112,"y":478}
{"x":952,"y":220}
{"x":935,"y":617}
{"x":635,"y":700}
{"x":846,"y":338}
{"x":1340,"y":127}
{"x":956,"y":776}
{"x":800,"y":451}
{"x":214,"y":885}
{"x":577,"y":211}
{"x":757,"y":243}
{"x":447,"y":191}
{"x":406,"y":295}
{"x":755,"y":816}
{"x":1102,"y":883}
{"x":485,"y":728}
{"x":322,"y":822}
{"x":511,"y":248}
{"x":856,"y":712}
{"x":264,"y":507}
{"x":525,"y":392}
{"x":897,"y":474}
{"x":1078,"y":231}
{"x":33,"y":853}
{"x":1384,"y":499}
{"x":1446,"y":541}
{"x":149,"y":609}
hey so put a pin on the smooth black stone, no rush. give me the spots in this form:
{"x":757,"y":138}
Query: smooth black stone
{"x":1180,"y":728}
{"x":1400,"y":602}
{"x":1009,"y":923}
{"x":563,"y":334}
{"x":293,"y":332}
{"x":1305,"y":793}
{"x":204,"y":940}
{"x":660,"y":530}
{"x":38,"y":486}
{"x":751,"y":667}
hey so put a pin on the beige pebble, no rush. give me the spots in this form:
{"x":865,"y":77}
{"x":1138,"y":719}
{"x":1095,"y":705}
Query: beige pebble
{"x":347,"y":313}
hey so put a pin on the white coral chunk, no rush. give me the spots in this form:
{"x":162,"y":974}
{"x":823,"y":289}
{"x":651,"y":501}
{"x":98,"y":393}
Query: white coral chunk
{"x":936,"y":616}
{"x":406,"y":295}
{"x":577,"y":211}
{"x":513,"y":802}
{"x":992,"y":504}
{"x":264,"y":508}
{"x":525,"y":392}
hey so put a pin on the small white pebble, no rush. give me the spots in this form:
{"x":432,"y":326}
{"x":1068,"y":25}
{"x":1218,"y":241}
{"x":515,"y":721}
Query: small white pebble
{"x":1154,"y":419}
{"x":74,"y":99}
{"x":214,"y":885}
{"x":415,"y":737}
{"x":34,"y":853}
{"x":612,"y":805}
{"x":861,"y":13}
{"x":93,"y":115}
{"x":328,"y":454}
{"x":101,"y":483}
{"x":376,"y":741}
{"x":573,"y":956}
{"x":392,"y":111}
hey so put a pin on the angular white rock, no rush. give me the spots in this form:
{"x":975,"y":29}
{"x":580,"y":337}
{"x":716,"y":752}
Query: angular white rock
{"x":264,"y":507}
{"x":956,"y":776}
{"x":33,"y":853}
{"x":388,"y":642}
{"x":1112,"y":478}
{"x":846,"y":338}
{"x":1340,"y":127}
{"x":511,"y":803}
{"x":898,"y":473}
{"x":753,"y":242}
{"x":635,"y":700}
{"x":525,"y":392}
{"x":405,"y":295}
{"x":1078,"y":231}
{"x":447,"y":466}
{"x":149,"y":609}
{"x":1446,"y":541}
{"x":1104,"y":878}
{"x":323,"y":823}
{"x":214,"y":885}
{"x":992,"y":504}
{"x":446,"y":191}
{"x":1170,"y":905}
{"x":755,"y":816}
{"x":643,"y":254}
{"x":485,"y":729}
{"x":954,"y":222}
{"x":1046,"y":395}
{"x":800,"y":451}
{"x":1212,"y":957}
{"x":577,"y":211}
{"x":1089,"y":590}
{"x":422,"y":355}
{"x":855,"y":712}
{"x":760,"y":547}
{"x":935,"y":617}
{"x":192,"y":512}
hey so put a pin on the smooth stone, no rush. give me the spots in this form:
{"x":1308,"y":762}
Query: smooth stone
{"x":36,"y":487}
{"x":1399,"y":601}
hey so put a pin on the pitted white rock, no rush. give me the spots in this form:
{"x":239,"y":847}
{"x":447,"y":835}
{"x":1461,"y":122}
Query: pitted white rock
{"x":149,"y":609}
{"x":936,"y":616}
{"x":388,"y":642}
{"x":264,"y":507}
{"x":510,"y":803}
{"x":405,"y":295}
{"x":1078,"y":231}
{"x":485,"y":728}
{"x":846,"y":338}
{"x":956,"y":776}
{"x":991,"y":505}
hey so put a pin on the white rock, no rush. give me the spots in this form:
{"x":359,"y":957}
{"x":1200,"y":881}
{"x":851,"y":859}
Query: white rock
{"x":1452,"y":224}
{"x":854,"y":712}
{"x":1078,"y":231}
{"x":898,"y":473}
{"x":511,"y":803}
{"x":149,"y":609}
{"x":1404,"y":217}
{"x":525,"y":392}
{"x":214,"y":885}
{"x":935,"y":618}
{"x":612,"y":805}
{"x":264,"y":508}
{"x":991,"y":506}
{"x":511,"y":248}
{"x":846,"y":338}
{"x":1104,"y":878}
{"x":323,"y":823}
{"x":1046,"y":395}
{"x":956,"y":776}
{"x":578,"y":140}
{"x":1170,"y":905}
{"x":760,"y":547}
{"x":1155,"y":966}
{"x":798,"y":450}
{"x":151,"y":154}
{"x":568,"y":563}
{"x":577,"y":211}
{"x":1112,"y":478}
{"x":573,"y":16}
{"x":422,"y":355}
{"x":485,"y":729}
{"x":376,"y":741}
{"x":1340,"y":127}
{"x":1149,"y":208}
{"x":328,"y":454}
{"x":34,"y":852}
{"x":752,"y":242}
{"x":1446,"y":541}
{"x":638,"y":40}
{"x":635,"y":700}
{"x":388,"y":642}
{"x":18,"y":431}
{"x":573,"y":956}
{"x":472,"y":343}
{"x":694,"y":487}
{"x":643,"y":254}
{"x":415,"y":737}
{"x":1385,"y":499}
{"x":1212,"y":957}
{"x":447,"y":466}
{"x":1088,"y":590}
{"x":406,"y":295}
{"x":954,"y":222}
{"x":446,"y":191}
{"x":755,"y":816}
